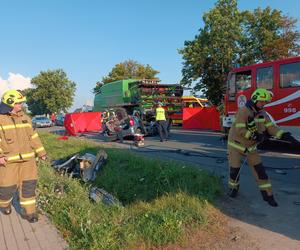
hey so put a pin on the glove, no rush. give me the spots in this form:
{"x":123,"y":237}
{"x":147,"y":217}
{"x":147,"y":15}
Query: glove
{"x":258,"y":137}
{"x":288,"y":137}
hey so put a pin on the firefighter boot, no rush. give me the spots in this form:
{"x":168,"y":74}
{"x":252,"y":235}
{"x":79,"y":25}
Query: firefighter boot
{"x":31,"y":218}
{"x":6,"y":210}
{"x":269,"y":198}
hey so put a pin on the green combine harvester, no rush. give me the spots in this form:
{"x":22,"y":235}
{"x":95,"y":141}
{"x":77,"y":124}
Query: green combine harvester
{"x":139,"y":95}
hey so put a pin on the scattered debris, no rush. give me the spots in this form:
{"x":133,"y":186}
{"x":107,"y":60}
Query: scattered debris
{"x":85,"y":167}
{"x":100,"y":195}
{"x":278,"y":171}
{"x":139,"y":140}
{"x":67,"y":166}
{"x":81,"y":166}
{"x":90,"y":164}
{"x":62,"y":138}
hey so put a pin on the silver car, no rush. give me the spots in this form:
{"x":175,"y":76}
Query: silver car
{"x":41,"y":122}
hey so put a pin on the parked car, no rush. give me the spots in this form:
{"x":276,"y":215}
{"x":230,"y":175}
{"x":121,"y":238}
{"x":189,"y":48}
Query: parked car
{"x":59,"y":121}
{"x":41,"y":122}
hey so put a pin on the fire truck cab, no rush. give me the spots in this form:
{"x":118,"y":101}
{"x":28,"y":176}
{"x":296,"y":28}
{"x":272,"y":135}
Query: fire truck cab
{"x":281,"y":77}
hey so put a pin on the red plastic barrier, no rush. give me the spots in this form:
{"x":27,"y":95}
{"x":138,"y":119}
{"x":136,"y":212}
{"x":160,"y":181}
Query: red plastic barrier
{"x":82,"y":122}
{"x":201,"y":118}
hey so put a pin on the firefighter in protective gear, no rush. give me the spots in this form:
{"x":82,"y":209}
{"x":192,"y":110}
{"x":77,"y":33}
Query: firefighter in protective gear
{"x":19,"y":145}
{"x":104,"y":119}
{"x":161,"y":121}
{"x":252,"y":124}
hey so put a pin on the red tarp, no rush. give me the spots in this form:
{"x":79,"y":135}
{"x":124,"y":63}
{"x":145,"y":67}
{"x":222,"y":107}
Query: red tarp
{"x":201,"y":118}
{"x":82,"y":122}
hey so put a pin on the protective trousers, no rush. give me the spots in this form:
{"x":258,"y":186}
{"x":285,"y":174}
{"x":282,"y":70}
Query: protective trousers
{"x":21,"y":176}
{"x":162,"y":127}
{"x":254,"y":161}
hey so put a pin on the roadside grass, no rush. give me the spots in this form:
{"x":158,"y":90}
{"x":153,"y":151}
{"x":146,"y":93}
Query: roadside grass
{"x":163,"y":200}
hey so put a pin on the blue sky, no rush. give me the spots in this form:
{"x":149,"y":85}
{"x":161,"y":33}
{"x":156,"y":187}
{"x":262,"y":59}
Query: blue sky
{"x":87,"y":38}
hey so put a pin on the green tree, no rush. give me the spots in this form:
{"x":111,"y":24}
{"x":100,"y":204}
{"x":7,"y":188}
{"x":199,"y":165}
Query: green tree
{"x":129,"y":69}
{"x":52,"y":92}
{"x":231,"y":37}
{"x":209,"y":57}
{"x":268,"y":35}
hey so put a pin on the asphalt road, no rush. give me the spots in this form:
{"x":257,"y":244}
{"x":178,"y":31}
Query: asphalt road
{"x":208,"y":150}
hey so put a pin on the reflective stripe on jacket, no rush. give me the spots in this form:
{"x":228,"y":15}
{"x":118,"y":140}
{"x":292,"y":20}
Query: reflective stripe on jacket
{"x":18,"y":140}
{"x":239,"y":147}
{"x":241,"y":132}
{"x":160,"y":114}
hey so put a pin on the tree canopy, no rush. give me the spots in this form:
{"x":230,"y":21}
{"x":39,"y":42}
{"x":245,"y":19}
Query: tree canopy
{"x":268,"y":35}
{"x":52,"y":92}
{"x":129,"y":69}
{"x":231,"y":37}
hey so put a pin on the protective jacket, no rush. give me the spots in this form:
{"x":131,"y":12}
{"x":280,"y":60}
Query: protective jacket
{"x":105,"y":117}
{"x":18,"y":141}
{"x":249,"y":122}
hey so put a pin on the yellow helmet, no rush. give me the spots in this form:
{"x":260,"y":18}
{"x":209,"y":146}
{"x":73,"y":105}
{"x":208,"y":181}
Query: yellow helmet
{"x":11,"y":97}
{"x":261,"y":94}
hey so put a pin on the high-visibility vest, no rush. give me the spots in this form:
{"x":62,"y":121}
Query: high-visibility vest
{"x":160,"y":114}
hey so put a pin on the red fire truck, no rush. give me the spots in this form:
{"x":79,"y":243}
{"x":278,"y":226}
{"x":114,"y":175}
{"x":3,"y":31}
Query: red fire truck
{"x":282,"y":77}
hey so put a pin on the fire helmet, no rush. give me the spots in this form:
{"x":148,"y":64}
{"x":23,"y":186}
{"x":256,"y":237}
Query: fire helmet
{"x":11,"y":97}
{"x":261,"y":94}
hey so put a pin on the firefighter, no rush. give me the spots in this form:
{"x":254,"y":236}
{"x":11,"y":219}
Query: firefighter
{"x":161,"y":121}
{"x":104,"y":119}
{"x":19,"y":145}
{"x":251,"y":126}
{"x":105,"y":116}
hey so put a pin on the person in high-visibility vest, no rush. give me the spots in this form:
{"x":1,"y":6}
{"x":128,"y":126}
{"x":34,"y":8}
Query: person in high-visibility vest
{"x":251,"y":126}
{"x":19,"y":145}
{"x":162,"y":125}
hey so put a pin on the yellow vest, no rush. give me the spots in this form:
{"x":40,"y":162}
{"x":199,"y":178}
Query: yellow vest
{"x":160,"y":114}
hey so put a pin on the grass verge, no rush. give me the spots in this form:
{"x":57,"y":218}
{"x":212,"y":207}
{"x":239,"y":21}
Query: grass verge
{"x":163,"y":200}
